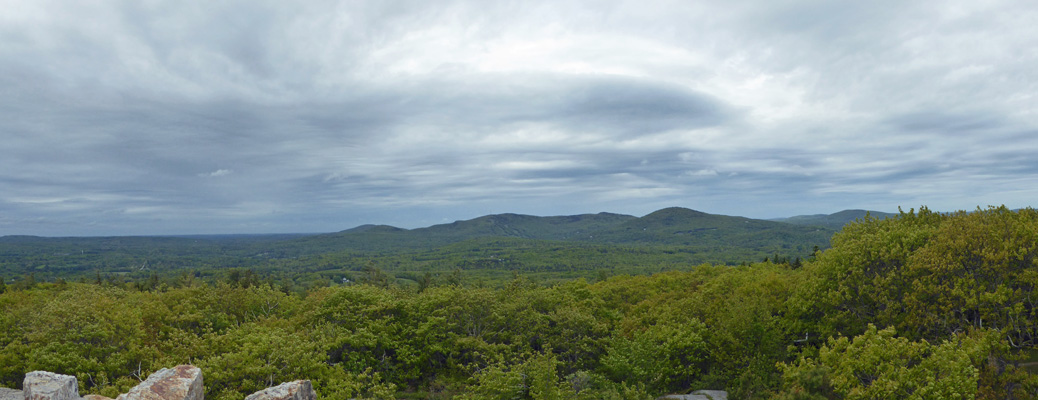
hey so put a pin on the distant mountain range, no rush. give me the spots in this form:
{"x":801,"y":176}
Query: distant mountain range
{"x":833,"y":221}
{"x":663,"y":239}
{"x":669,"y":226}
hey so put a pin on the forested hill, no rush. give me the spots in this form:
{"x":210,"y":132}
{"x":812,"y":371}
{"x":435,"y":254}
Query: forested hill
{"x":835,"y":220}
{"x":388,"y":238}
{"x":669,"y":226}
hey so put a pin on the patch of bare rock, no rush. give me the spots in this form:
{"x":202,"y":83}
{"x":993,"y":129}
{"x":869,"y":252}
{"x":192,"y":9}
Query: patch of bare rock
{"x":183,"y":382}
{"x":42,"y":385}
{"x":298,"y":390}
{"x":698,"y":395}
{"x":11,"y":394}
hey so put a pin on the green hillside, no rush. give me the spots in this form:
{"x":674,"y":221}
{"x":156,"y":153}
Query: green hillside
{"x":836,"y":220}
{"x":682,"y":226}
{"x":573,"y":227}
{"x":670,"y":226}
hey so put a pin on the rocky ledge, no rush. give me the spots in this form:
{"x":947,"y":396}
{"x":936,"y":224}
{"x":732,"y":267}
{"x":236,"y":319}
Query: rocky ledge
{"x":11,"y":394}
{"x":183,"y":382}
{"x":698,"y":395}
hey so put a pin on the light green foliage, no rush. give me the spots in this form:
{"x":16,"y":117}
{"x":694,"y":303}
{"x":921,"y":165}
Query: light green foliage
{"x":747,"y":307}
{"x":665,"y":356}
{"x":861,"y":278}
{"x":534,"y":378}
{"x":736,"y":316}
{"x":982,"y":273}
{"x":933,"y":276}
{"x":930,"y":275}
{"x":76,"y":330}
{"x":498,"y":382}
{"x":571,"y":320}
{"x":878,"y":365}
{"x":261,"y":354}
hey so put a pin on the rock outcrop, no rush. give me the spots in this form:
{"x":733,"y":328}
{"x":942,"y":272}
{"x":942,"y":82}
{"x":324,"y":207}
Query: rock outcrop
{"x":698,"y":395}
{"x":11,"y":394}
{"x":297,"y":390}
{"x":43,"y":385}
{"x":183,"y":382}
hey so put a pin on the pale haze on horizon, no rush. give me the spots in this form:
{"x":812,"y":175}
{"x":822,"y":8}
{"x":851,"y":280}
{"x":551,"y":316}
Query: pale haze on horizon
{"x":170,"y":117}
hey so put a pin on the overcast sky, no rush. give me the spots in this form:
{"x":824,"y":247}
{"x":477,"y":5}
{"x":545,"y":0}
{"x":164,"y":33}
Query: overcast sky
{"x":175,"y":117}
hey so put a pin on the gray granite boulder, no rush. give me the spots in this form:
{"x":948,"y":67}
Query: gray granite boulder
{"x":43,"y":385}
{"x":11,"y":394}
{"x":712,"y":394}
{"x":698,"y":395}
{"x":297,"y":390}
{"x":183,"y":382}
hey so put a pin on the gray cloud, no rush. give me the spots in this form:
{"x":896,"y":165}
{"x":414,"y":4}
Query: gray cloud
{"x":945,"y":123}
{"x":161,"y":117}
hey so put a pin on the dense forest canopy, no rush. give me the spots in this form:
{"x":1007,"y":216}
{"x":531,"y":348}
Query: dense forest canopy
{"x":923,"y":305}
{"x":488,"y":249}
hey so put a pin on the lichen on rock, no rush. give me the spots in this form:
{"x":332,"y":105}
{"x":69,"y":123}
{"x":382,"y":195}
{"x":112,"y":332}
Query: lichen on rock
{"x":296,"y":390}
{"x":43,"y":385}
{"x":11,"y":394}
{"x":183,"y":382}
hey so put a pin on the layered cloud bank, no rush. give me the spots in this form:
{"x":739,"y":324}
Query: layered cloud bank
{"x":160,"y":117}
